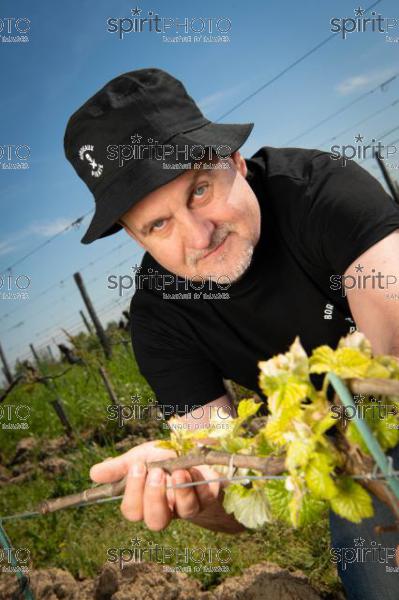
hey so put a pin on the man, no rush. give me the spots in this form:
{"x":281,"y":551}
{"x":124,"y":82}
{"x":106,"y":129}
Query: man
{"x":249,"y":253}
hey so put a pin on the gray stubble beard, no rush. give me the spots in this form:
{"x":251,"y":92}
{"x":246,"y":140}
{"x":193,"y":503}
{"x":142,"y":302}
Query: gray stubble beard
{"x":244,"y":260}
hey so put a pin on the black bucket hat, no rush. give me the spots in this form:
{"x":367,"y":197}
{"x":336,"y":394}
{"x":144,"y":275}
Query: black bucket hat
{"x":148,"y":115}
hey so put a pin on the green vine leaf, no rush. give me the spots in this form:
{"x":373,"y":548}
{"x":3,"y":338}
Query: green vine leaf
{"x":299,"y":452}
{"x":318,"y":477}
{"x":352,"y":501}
{"x":262,"y":446}
{"x":345,"y":362}
{"x":250,"y":506}
{"x":248,"y":408}
{"x":279,"y":497}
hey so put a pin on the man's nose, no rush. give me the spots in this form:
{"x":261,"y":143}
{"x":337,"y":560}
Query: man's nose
{"x":196,"y":231}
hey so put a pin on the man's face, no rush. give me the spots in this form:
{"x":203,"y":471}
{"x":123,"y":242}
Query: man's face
{"x":203,"y":224}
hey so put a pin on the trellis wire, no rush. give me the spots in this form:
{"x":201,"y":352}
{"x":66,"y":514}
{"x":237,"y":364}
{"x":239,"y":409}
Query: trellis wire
{"x":369,"y":476}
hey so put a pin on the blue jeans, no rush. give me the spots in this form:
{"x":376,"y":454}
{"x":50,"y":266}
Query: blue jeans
{"x":364,"y":575}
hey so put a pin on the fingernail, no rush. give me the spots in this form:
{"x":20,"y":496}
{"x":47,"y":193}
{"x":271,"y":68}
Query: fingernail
{"x":155,"y":476}
{"x":137,"y":469}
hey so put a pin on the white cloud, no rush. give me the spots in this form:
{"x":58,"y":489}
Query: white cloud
{"x":217,"y":99}
{"x":44,"y":229}
{"x":359,"y":82}
{"x":209,"y":102}
{"x":6,"y":248}
{"x":50,"y":228}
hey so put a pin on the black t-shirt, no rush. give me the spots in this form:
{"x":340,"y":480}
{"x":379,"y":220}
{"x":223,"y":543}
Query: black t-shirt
{"x":317,"y":217}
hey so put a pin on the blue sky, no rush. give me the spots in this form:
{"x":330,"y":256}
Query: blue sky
{"x":70,"y":55}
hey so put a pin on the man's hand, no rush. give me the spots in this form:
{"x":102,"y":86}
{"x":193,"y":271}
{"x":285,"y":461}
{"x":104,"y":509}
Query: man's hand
{"x":147,"y":499}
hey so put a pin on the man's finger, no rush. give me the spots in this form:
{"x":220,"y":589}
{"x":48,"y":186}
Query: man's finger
{"x":157,"y":514}
{"x":114,"y":469}
{"x":132,"y":503}
{"x":187,"y":505}
{"x":170,"y":494}
{"x":109,"y":470}
{"x":207,"y":492}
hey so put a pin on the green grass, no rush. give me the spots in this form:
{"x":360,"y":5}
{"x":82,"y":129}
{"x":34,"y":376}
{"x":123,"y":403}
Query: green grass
{"x":78,"y":539}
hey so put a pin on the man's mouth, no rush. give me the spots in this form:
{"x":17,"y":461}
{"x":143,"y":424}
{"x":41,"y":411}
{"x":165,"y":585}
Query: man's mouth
{"x":216,"y":249}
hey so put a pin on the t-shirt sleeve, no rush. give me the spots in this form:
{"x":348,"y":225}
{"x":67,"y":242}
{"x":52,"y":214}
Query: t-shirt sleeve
{"x":172,"y":363}
{"x":346,"y":212}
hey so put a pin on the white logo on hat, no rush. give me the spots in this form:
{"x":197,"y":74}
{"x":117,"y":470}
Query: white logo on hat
{"x":96,"y":168}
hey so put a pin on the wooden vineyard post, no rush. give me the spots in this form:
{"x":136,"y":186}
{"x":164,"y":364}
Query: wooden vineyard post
{"x":96,"y":321}
{"x":60,"y":410}
{"x":6,"y":368}
{"x":108,"y":386}
{"x":50,"y":354}
{"x":35,"y":355}
{"x":85,"y":321}
{"x":57,"y":403}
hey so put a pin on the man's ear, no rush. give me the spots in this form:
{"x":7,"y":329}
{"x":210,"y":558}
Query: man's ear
{"x":130,"y":233}
{"x":240,"y":163}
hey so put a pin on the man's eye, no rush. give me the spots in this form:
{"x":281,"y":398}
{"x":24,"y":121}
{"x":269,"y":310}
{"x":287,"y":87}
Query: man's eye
{"x":200,"y":190}
{"x":158,"y":225}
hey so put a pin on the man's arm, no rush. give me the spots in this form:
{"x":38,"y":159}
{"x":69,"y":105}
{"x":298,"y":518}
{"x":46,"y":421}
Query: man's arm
{"x":200,"y":417}
{"x":375,"y":312}
{"x":374,"y":306}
